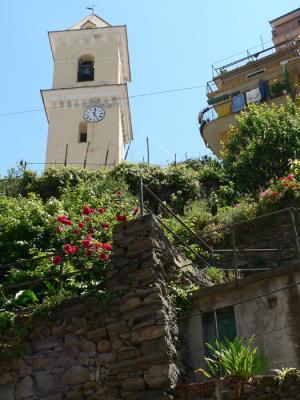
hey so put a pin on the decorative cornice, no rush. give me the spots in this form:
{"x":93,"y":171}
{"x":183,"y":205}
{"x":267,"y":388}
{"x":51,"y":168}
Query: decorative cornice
{"x":109,"y":96}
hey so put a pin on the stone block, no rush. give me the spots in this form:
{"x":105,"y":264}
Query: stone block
{"x":105,"y":358}
{"x":132,"y":384}
{"x":7,"y":377}
{"x":87,"y":346}
{"x":127,"y":353}
{"x":131,"y":304}
{"x":24,"y":389}
{"x":76,"y":375}
{"x":47,"y":343}
{"x":161,"y":376}
{"x":148,"y":333}
{"x":83,"y":358}
{"x":71,"y":341}
{"x":99,"y":333}
{"x":104,"y":346}
{"x":46,"y":382}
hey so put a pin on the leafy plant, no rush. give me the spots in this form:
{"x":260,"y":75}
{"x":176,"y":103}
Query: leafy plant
{"x":262,"y":144}
{"x":281,"y":373}
{"x":236,"y":359}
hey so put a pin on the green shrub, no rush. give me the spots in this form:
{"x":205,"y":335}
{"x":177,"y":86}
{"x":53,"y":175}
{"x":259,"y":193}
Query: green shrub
{"x":262,"y":144}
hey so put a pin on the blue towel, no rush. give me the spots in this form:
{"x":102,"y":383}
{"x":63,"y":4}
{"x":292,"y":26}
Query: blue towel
{"x":264,"y":90}
{"x":238,"y":103}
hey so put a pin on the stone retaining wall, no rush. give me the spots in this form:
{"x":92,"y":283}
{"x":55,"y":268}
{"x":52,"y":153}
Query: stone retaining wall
{"x":126,"y":351}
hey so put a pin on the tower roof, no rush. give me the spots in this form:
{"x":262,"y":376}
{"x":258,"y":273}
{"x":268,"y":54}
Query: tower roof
{"x":91,"y":21}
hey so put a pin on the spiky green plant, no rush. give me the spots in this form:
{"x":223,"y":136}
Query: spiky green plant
{"x":236,"y":359}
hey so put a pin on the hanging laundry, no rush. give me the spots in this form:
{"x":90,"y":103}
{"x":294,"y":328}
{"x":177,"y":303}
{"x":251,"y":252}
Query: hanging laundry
{"x":238,"y":103}
{"x":264,"y":90}
{"x":253,"y":96}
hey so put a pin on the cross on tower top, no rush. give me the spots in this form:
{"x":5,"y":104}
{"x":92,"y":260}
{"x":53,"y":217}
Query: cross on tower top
{"x":92,"y":8}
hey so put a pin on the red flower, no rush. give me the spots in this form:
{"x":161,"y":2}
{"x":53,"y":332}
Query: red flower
{"x":121,"y":218}
{"x":56,"y":260}
{"x":64,"y":220}
{"x":85,"y":243}
{"x":101,"y":210}
{"x":285,"y":184}
{"x":75,"y":249}
{"x":68,"y":248}
{"x":280,"y":179}
{"x":92,"y":230}
{"x":104,"y":257}
{"x":58,"y":229}
{"x":81,"y":225}
{"x":89,"y":252}
{"x":76,"y":231}
{"x":274,"y":194}
{"x":107,"y":246}
{"x":105,"y":225}
{"x":88,"y":237}
{"x":290,"y":178}
{"x":119,"y":194}
{"x":294,"y":185}
{"x":88,"y":210}
{"x":136,"y":210}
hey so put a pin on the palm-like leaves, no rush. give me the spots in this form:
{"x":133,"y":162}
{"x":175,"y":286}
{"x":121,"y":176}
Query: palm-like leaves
{"x":235,"y":359}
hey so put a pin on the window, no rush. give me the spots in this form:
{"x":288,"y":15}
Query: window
{"x":225,"y":324}
{"x":83,"y":132}
{"x":253,"y":74}
{"x":86,"y":68}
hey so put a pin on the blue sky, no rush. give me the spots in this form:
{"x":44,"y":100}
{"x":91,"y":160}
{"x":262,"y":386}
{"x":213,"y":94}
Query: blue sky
{"x":172,"y":45}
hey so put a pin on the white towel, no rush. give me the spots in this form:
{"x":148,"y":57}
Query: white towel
{"x":253,"y":96}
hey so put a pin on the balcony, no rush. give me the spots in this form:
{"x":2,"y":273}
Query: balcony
{"x":216,"y":124}
{"x":260,"y":80}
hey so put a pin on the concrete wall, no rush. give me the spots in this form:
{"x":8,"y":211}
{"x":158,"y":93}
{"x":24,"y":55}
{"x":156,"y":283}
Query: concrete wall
{"x":273,"y":319}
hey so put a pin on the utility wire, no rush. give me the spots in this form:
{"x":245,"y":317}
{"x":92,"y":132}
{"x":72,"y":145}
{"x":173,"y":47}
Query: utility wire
{"x":242,"y":301}
{"x":119,"y":98}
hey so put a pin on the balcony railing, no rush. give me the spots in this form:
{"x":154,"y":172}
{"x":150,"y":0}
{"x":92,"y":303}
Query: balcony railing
{"x":222,"y":106}
{"x":250,"y":57}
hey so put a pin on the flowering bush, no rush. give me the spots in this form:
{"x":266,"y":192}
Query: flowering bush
{"x":294,"y":168}
{"x":279,"y":188}
{"x":87,"y":235}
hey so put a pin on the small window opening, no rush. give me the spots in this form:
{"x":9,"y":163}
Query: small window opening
{"x":86,"y":69}
{"x":83,"y":132}
{"x":226,"y":325}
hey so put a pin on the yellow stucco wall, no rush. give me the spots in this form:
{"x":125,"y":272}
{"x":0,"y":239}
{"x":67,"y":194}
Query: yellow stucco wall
{"x":67,"y":101}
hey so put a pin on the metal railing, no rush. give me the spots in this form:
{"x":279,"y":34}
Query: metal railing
{"x":224,"y":108}
{"x":282,"y":247}
{"x":252,"y":57}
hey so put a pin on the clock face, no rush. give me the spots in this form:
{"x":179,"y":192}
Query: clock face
{"x":94,"y":114}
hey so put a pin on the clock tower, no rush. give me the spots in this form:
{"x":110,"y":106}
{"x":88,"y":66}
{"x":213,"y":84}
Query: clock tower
{"x":88,"y":108}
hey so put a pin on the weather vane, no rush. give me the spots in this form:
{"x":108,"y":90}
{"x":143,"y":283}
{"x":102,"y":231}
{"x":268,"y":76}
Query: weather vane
{"x":92,"y":8}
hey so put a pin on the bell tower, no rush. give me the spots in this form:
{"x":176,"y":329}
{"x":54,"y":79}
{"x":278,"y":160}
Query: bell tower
{"x":88,"y":108}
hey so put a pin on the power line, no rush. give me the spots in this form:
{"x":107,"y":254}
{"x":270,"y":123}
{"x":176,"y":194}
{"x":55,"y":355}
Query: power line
{"x":242,"y":301}
{"x":119,"y":98}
